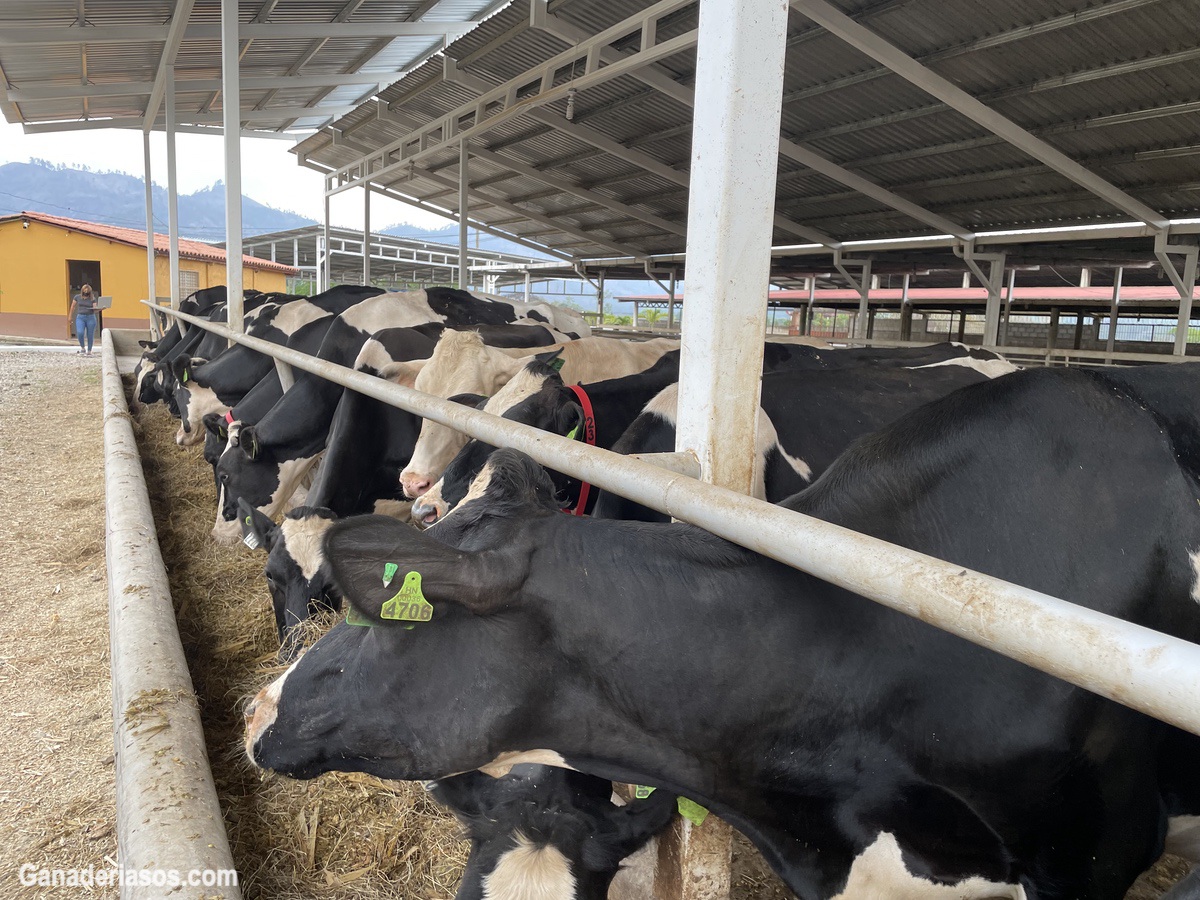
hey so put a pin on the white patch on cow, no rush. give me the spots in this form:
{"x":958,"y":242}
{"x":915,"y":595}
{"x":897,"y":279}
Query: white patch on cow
{"x":396,"y":509}
{"x":295,"y":315}
{"x":291,"y":473}
{"x":502,"y":764}
{"x":530,"y":872}
{"x":1183,"y":837}
{"x":478,"y":489}
{"x":265,"y":709}
{"x":302,"y":538}
{"x":1195,"y":558}
{"x":988,"y":368}
{"x":598,"y":359}
{"x":401,"y":309}
{"x":879,"y":873}
{"x":225,"y":532}
{"x":201,"y":402}
{"x":665,"y":404}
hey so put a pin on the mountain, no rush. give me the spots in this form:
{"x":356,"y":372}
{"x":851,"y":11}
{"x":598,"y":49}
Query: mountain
{"x":115,"y":198}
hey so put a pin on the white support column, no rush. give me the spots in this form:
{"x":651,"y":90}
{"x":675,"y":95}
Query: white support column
{"x":735,"y":158}
{"x":151,"y":287}
{"x":1113,"y":312}
{"x":323,"y":256}
{"x":296,"y":252}
{"x":863,"y":286}
{"x":906,"y":310}
{"x":671,"y":302}
{"x":527,"y":286}
{"x":1186,"y":289}
{"x":231,"y":108}
{"x":600,"y":297}
{"x":812,"y":299}
{"x":463,"y":212}
{"x":172,"y":194}
{"x":366,"y":245}
{"x":1008,"y":304}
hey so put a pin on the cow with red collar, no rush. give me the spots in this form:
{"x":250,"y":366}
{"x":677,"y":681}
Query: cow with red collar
{"x":861,"y":751}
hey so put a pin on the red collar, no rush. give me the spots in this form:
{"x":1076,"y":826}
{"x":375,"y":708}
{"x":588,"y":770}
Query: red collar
{"x":589,"y":435}
{"x":229,"y":416}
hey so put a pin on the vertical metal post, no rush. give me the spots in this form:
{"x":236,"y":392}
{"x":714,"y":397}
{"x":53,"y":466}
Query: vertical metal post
{"x":1113,"y":311}
{"x":231,"y":122}
{"x":1185,"y":304}
{"x":812,"y":298}
{"x":463,"y":211}
{"x":1077,"y":342}
{"x":991,"y":317}
{"x":273,"y":251}
{"x":861,"y":322}
{"x":636,"y":313}
{"x":600,"y":297}
{"x":172,"y":194}
{"x":906,"y":310}
{"x":366,"y":245}
{"x":1052,"y":334}
{"x":962,"y":324}
{"x":296,"y":252}
{"x":671,"y":302}
{"x":528,"y":286}
{"x":1012,"y":286}
{"x":735,"y":158}
{"x":151,"y":285}
{"x":323,"y":257}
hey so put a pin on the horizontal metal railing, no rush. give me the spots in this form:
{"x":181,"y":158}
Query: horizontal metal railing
{"x":1148,"y":671}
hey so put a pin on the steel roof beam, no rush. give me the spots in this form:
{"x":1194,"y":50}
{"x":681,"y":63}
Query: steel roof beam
{"x":986,"y":43}
{"x":261,"y":31}
{"x":806,"y":157}
{"x":195,"y":85}
{"x":872,"y":45}
{"x":264,"y":115}
{"x":166,"y":61}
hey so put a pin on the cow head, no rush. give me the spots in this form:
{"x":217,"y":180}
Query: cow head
{"x":297,"y":573}
{"x":536,"y":397}
{"x":141,"y":372}
{"x":150,"y":385}
{"x":192,"y":400}
{"x":546,"y":832}
{"x":376,"y":698}
{"x":216,"y":438}
{"x":248,"y":470}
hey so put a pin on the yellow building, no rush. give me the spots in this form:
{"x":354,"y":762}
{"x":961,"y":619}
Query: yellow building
{"x":45,"y":259}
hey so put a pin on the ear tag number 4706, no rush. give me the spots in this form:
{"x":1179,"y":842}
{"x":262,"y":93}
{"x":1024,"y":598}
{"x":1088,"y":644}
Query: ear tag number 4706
{"x":409,"y":604}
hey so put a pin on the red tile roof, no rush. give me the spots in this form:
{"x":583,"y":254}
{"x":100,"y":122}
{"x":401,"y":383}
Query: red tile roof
{"x":137,"y":238}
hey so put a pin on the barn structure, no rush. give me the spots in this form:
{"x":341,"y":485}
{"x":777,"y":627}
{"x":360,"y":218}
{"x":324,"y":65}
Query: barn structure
{"x":45,"y":259}
{"x":733,"y":144}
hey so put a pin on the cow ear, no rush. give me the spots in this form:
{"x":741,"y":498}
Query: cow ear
{"x":248,"y":442}
{"x":626,"y":829}
{"x":181,"y":368}
{"x":257,"y":529}
{"x":550,"y":359}
{"x":147,"y":345}
{"x":214,"y":424}
{"x":465,"y":795}
{"x":363,"y":551}
{"x":404,"y":373}
{"x":569,"y":419}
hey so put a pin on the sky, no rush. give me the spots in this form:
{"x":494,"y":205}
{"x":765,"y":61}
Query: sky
{"x":270,"y":173}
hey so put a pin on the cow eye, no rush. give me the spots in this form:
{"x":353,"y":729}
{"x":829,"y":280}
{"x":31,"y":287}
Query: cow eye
{"x":224,"y":476}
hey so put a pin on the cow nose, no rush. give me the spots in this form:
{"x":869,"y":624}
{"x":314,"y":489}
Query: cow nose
{"x":415,"y":485}
{"x":425,"y":514}
{"x":251,"y":708}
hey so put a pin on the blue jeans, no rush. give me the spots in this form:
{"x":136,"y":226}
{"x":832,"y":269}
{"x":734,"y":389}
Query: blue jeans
{"x":85,"y":324}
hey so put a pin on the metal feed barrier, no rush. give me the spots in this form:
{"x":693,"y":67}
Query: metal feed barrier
{"x":1143,"y":669}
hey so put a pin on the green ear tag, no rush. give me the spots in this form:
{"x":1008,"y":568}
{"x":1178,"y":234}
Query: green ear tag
{"x":389,"y":572}
{"x":185,"y":376}
{"x":409,"y":604}
{"x":557,"y":363}
{"x":641,"y":792}
{"x":692,"y":811}
{"x":570,"y":435}
{"x":354,"y":617}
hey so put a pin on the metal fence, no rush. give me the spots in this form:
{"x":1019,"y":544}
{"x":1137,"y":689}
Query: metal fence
{"x":1152,"y":672}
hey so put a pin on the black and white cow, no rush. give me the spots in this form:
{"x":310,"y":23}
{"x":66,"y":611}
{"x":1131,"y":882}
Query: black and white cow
{"x":538,"y":397}
{"x":557,"y":828}
{"x":863,"y":752}
{"x":807,"y":419}
{"x":222,"y":382}
{"x":277,"y":452}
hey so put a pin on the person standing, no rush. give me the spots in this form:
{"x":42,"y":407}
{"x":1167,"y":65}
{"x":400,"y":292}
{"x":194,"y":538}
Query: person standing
{"x":83,"y":308}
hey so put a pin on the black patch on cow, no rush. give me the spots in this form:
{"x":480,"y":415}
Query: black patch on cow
{"x":462,"y":309}
{"x":537,"y":316}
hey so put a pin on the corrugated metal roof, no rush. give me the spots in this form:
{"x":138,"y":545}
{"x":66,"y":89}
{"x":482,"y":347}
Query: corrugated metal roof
{"x":1112,"y":84}
{"x":34,"y":68}
{"x":187,"y":249}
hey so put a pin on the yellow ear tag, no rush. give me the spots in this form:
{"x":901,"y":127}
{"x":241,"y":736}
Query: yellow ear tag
{"x":354,"y":617}
{"x":409,"y":604}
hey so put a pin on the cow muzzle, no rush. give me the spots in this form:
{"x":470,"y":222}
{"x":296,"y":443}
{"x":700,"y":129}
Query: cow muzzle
{"x":415,"y":484}
{"x":427,"y":512}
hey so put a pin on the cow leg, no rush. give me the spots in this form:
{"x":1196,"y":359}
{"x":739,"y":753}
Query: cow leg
{"x":1187,"y":889}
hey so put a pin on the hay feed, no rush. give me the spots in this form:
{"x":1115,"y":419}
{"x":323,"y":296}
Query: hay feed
{"x":342,"y":835}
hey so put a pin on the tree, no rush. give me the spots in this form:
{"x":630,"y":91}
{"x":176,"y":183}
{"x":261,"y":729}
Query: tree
{"x":653,"y":317}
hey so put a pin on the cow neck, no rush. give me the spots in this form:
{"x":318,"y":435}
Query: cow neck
{"x":587,"y":434}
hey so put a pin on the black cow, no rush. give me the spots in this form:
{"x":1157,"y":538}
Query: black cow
{"x":283,"y":446}
{"x":851,"y":744}
{"x":811,"y":417}
{"x":542,"y":822}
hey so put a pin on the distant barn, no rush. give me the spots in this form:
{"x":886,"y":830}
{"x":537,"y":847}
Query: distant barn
{"x":45,"y":259}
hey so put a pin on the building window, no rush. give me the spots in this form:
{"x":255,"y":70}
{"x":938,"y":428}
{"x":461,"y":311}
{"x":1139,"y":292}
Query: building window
{"x":189,"y":282}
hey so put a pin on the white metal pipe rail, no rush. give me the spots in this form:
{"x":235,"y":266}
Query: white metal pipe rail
{"x":168,"y":816}
{"x":1148,"y":671}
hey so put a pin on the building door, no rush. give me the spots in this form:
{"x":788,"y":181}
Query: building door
{"x":79,"y":273}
